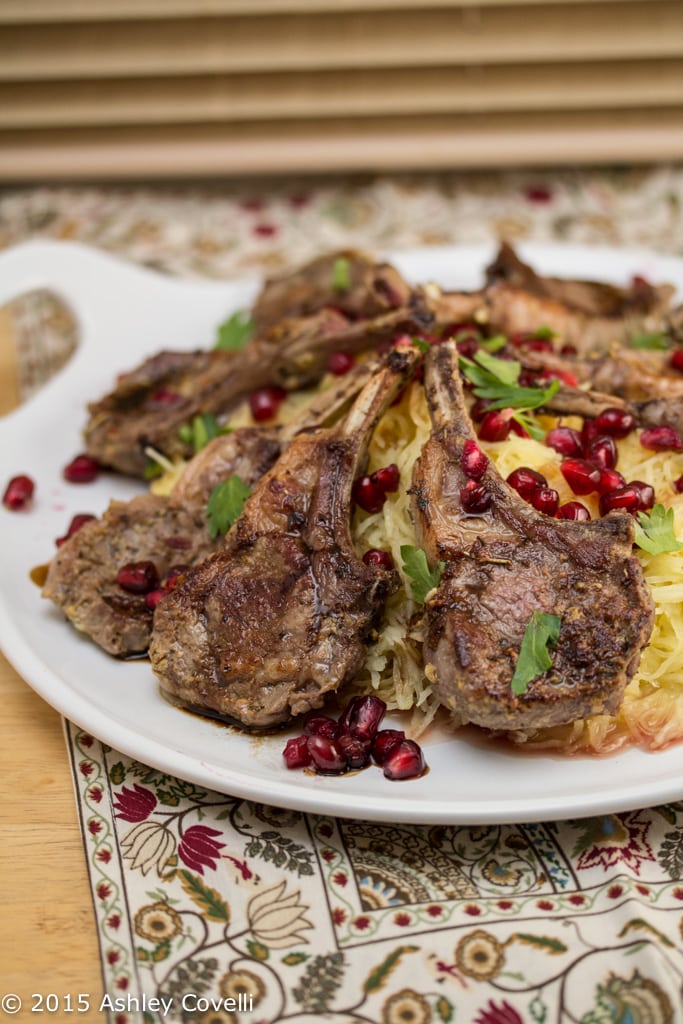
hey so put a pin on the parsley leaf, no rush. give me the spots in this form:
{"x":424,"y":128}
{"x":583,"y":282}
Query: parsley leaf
{"x":415,"y":566}
{"x":235,"y":332}
{"x":655,"y":531}
{"x":496,"y":380}
{"x":544,"y":333}
{"x":657,"y":341}
{"x":202,"y":430}
{"x":225,"y":504}
{"x":542,"y":631}
{"x":420,"y":343}
{"x":341,"y":274}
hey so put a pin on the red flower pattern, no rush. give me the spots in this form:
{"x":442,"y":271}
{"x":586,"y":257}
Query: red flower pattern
{"x":122,"y":984}
{"x":134,"y":804}
{"x":340,"y":878}
{"x":362,"y":923}
{"x":494,"y":1014}
{"x":103,"y":891}
{"x":95,"y":793}
{"x":86,"y":768}
{"x":198,"y":849}
{"x":472,"y":910}
{"x":434,"y":911}
{"x":114,"y":921}
{"x":104,"y":856}
{"x":338,"y":915}
{"x":113,"y":956}
{"x":402,"y":920}
{"x":94,"y":827}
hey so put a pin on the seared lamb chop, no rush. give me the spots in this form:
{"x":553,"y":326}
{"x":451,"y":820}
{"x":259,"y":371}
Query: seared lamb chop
{"x":592,"y":316}
{"x":348,"y":280}
{"x":167,"y":530}
{"x":280,"y":617}
{"x":150,"y":404}
{"x":507,"y":561}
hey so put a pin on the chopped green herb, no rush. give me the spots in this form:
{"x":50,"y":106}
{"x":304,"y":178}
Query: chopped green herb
{"x":494,"y":344}
{"x":415,"y":566}
{"x":542,"y":631}
{"x":153,"y":470}
{"x":544,"y":333}
{"x":225,"y":504}
{"x":658,"y":341}
{"x":202,"y":430}
{"x":496,"y":380}
{"x":421,"y":344}
{"x":655,"y":531}
{"x":341,"y":274}
{"x":234,"y":333}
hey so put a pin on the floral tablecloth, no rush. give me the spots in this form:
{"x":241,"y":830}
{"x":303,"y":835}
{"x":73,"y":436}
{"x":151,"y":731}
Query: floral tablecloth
{"x":216,"y":909}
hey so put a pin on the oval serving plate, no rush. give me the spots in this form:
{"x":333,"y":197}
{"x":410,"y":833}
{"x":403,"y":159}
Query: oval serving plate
{"x":126,"y":313}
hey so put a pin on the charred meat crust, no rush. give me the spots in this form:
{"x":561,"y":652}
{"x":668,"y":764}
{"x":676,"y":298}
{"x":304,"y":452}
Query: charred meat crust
{"x":282,"y":615}
{"x":503,"y":565}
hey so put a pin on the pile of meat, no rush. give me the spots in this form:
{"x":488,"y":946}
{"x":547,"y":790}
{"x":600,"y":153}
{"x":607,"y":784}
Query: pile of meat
{"x":260,"y":623}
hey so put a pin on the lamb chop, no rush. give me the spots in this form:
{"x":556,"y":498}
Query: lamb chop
{"x":168,"y":531}
{"x":150,"y":405}
{"x":281,"y":616}
{"x":347,"y":280}
{"x":503,"y":562}
{"x":592,"y":316}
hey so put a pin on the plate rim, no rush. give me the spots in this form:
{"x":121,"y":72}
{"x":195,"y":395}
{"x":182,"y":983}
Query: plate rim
{"x":311,"y":798}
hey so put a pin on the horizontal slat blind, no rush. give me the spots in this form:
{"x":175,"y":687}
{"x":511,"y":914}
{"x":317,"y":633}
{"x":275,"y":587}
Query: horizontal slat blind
{"x":130,"y":88}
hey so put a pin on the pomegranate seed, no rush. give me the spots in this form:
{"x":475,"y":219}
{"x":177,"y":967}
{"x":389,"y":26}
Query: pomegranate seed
{"x":467,"y":347}
{"x":473,"y":461}
{"x":474,"y":497}
{"x":677,"y":359}
{"x":517,"y":428}
{"x":384,"y":742}
{"x":602,"y":452}
{"x":610,"y":480}
{"x":367,"y":495}
{"x":163,"y":396}
{"x":18,"y":492}
{"x":573,"y":510}
{"x":296,"y":752}
{"x":582,"y":476}
{"x":386,"y":479}
{"x":152,"y":599}
{"x":545,"y":500}
{"x":376,"y":557}
{"x":678,"y":485}
{"x":615,"y":422}
{"x":528,"y":340}
{"x":74,"y":526}
{"x":624,"y":499}
{"x":638,"y":281}
{"x":340,"y":363}
{"x":494,"y":426}
{"x":461,"y":331}
{"x":265,"y":402}
{"x":405,"y":761}
{"x":479,"y":408}
{"x":526,"y":481}
{"x":661,"y":439}
{"x":357,"y":752}
{"x":565,"y":440}
{"x":317,"y":724}
{"x":138,"y":577}
{"x":173,"y":576}
{"x":327,"y":755}
{"x":568,"y":350}
{"x":589,"y":432}
{"x":528,"y":378}
{"x":178,"y":543}
{"x":81,"y":470}
{"x":362,"y":716}
{"x":564,"y":377}
{"x":646,"y":493}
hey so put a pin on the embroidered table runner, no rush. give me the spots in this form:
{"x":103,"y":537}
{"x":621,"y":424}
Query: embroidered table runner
{"x":215,"y":909}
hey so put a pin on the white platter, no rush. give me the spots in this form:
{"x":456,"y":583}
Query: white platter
{"x":124,"y":314}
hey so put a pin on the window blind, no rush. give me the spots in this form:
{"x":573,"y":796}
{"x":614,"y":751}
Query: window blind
{"x":115,"y":89}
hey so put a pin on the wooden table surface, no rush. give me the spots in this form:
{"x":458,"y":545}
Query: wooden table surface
{"x":48,"y":941}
